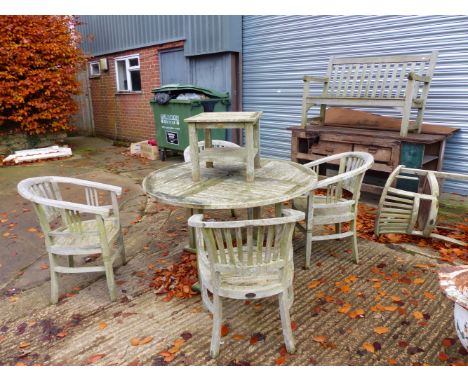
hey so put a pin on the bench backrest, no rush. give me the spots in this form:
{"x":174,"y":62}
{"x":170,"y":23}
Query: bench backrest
{"x":377,"y":77}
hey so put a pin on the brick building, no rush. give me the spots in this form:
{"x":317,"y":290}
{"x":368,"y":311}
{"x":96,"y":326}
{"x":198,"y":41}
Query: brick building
{"x":134,"y":54}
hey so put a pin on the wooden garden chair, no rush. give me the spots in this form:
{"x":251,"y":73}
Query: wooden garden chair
{"x":66,"y":230}
{"x":246,"y":259}
{"x":413,"y":212}
{"x":331,"y":207}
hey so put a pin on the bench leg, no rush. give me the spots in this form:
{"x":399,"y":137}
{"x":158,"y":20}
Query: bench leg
{"x":323,"y":110}
{"x":419,"y":118}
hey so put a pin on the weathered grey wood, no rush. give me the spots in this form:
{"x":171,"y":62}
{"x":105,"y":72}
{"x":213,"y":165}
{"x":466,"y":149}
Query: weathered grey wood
{"x":194,"y":154}
{"x":71,"y":234}
{"x":399,"y":210}
{"x":259,"y":270}
{"x":332,"y":208}
{"x":225,"y":186}
{"x":250,"y":154}
{"x":369,"y":86}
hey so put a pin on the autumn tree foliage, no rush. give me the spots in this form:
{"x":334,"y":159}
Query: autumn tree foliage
{"x":39,"y":59}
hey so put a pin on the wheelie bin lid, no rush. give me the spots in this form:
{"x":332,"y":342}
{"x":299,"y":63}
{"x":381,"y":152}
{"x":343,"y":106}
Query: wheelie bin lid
{"x":190,"y":88}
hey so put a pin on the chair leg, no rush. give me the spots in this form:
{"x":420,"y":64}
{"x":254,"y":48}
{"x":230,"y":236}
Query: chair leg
{"x":337,"y":227}
{"x":53,"y":280}
{"x":286,"y":322}
{"x":308,"y":248}
{"x":354,"y":241}
{"x":109,"y":269}
{"x":121,"y":249}
{"x":217,"y":320}
{"x":233,"y":213}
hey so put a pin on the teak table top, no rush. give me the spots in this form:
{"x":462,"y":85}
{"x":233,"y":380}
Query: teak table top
{"x":225,"y":185}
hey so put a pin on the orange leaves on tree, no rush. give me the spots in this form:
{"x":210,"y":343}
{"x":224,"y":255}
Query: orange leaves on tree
{"x":38,"y":68}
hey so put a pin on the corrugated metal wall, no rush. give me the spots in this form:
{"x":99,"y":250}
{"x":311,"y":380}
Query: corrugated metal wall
{"x":203,"y":34}
{"x":279,"y":50}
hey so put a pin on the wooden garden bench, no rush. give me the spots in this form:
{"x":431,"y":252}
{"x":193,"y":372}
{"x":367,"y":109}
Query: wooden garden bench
{"x":382,"y":81}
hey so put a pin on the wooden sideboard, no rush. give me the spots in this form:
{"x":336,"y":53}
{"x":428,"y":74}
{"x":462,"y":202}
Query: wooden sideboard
{"x":424,"y":151}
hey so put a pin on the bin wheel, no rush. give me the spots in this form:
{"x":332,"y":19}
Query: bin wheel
{"x":162,"y":154}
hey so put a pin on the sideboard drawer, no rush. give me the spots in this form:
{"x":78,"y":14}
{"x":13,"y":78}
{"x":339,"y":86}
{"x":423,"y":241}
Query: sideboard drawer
{"x":380,"y":154}
{"x":330,"y":148}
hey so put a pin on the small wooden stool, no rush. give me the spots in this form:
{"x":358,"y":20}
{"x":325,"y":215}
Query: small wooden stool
{"x":249,"y":154}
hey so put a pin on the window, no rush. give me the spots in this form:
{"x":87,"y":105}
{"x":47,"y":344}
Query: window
{"x":128,"y":74}
{"x":94,"y":69}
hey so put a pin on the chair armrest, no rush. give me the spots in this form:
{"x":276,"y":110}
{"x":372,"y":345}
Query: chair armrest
{"x":104,"y":211}
{"x":87,"y":183}
{"x":418,"y":77}
{"x":315,"y":78}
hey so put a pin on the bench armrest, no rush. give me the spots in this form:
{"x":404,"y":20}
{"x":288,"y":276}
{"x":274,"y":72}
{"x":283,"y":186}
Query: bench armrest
{"x":418,"y":77}
{"x":315,"y":78}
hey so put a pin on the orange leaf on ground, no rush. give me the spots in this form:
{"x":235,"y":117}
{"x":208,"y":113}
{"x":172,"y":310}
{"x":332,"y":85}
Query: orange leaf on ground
{"x":350,"y":279}
{"x":95,"y":358}
{"x":145,"y":340}
{"x":345,"y":308}
{"x":369,"y":347}
{"x":62,"y":334}
{"x":319,"y":339}
{"x":238,"y":337}
{"x":392,"y":361}
{"x":24,"y":344}
{"x":381,"y":330}
{"x":102,"y":325}
{"x":135,"y":341}
{"x":443,"y":357}
{"x":314,"y":284}
{"x":356,"y":313}
{"x":419,"y":280}
{"x":391,"y":308}
{"x":345,"y":288}
{"x":280,"y":360}
{"x":418,"y":315}
{"x":395,"y":298}
{"x":293,"y":325}
{"x":429,"y":295}
{"x":43,"y":266}
{"x":224,"y":330}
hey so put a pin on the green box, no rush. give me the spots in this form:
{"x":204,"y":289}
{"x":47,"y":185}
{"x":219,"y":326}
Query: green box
{"x":171,"y":130}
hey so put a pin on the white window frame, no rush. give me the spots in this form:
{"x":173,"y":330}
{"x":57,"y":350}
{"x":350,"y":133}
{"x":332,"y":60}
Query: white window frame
{"x":128,"y":69}
{"x":91,"y":74}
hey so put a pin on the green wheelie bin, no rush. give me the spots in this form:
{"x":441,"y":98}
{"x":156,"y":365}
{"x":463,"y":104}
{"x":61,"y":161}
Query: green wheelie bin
{"x":173,"y":103}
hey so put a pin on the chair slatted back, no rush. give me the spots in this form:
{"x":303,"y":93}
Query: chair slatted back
{"x":377,"y":77}
{"x":351,"y":169}
{"x":243,"y":247}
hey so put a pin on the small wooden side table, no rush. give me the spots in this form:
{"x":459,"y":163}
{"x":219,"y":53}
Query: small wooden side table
{"x":249,"y":154}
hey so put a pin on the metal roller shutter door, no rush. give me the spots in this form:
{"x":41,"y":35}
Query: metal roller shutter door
{"x":279,"y":50}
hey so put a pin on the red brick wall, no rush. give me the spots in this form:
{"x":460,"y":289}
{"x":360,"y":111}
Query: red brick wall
{"x":127,"y":117}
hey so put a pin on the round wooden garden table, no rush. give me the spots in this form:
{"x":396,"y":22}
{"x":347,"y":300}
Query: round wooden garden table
{"x":225,"y":187}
